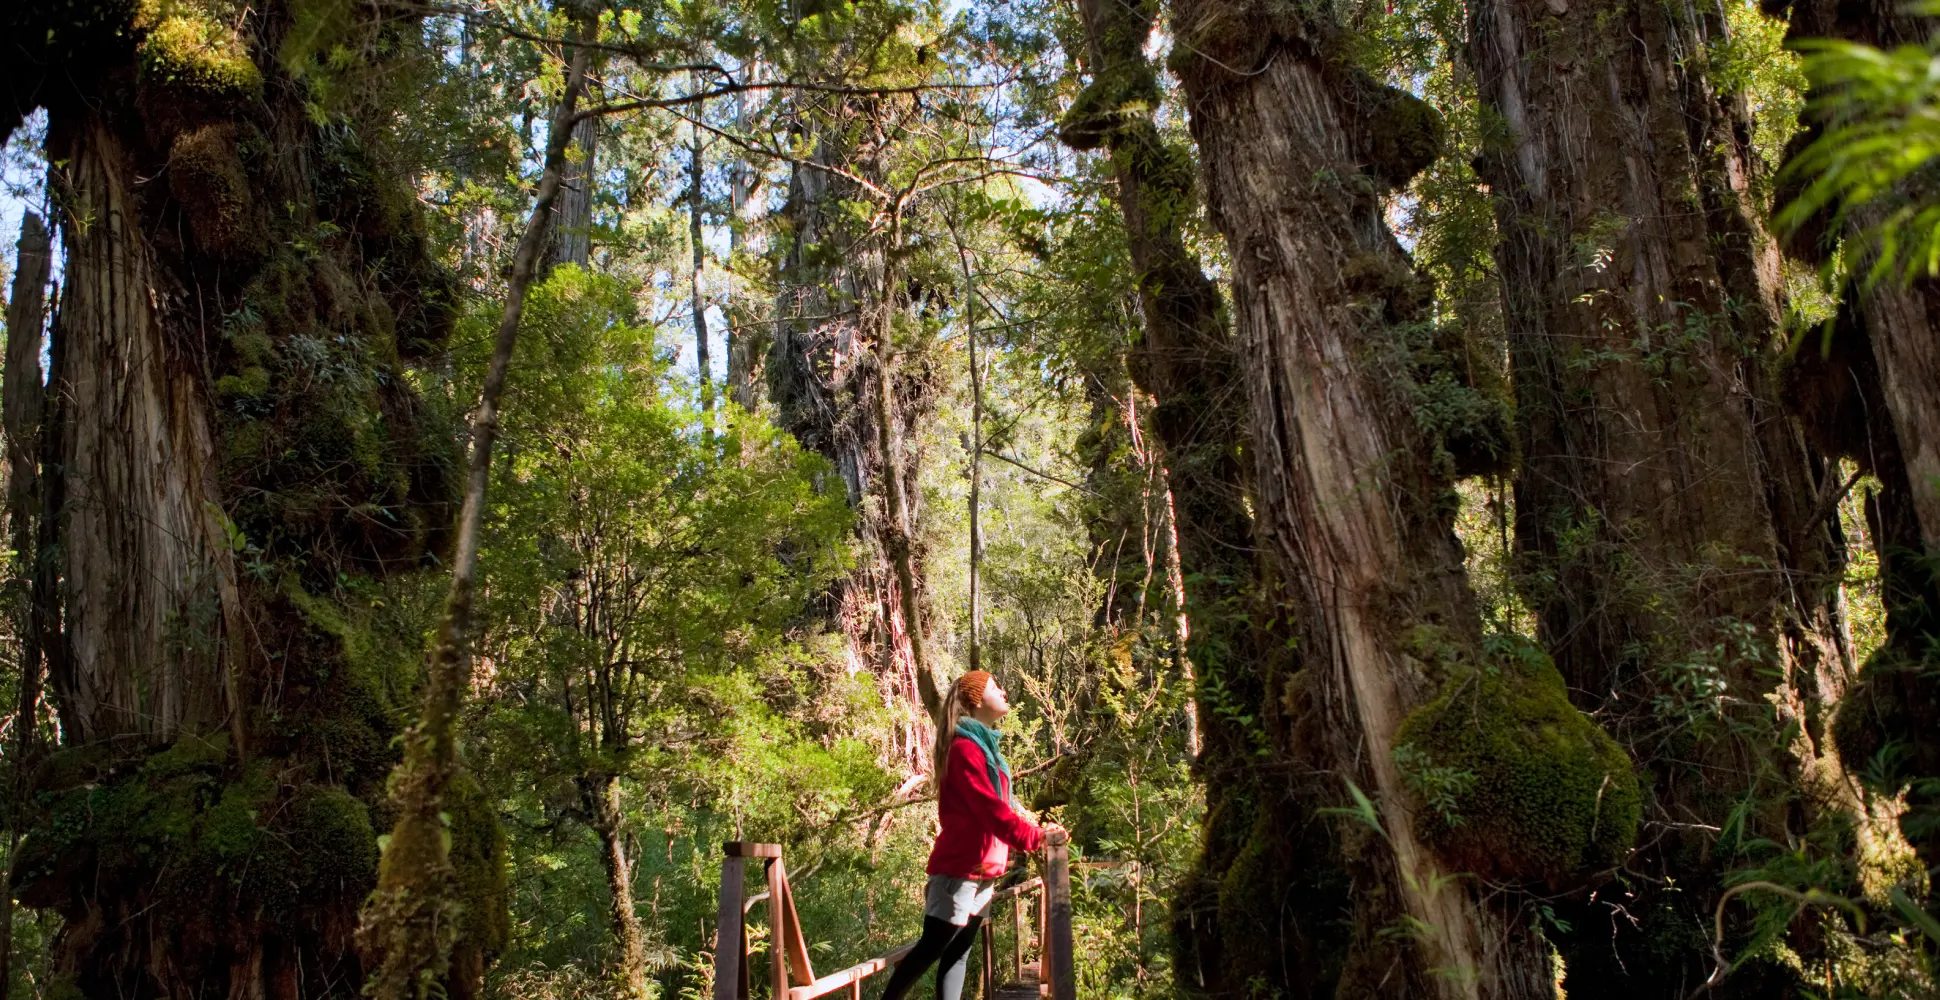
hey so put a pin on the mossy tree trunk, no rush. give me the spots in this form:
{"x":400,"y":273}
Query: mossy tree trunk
{"x":1272,"y":923}
{"x":1867,"y":392}
{"x":1353,"y":494}
{"x":207,"y":823}
{"x":1671,"y":527}
{"x":600,"y":799}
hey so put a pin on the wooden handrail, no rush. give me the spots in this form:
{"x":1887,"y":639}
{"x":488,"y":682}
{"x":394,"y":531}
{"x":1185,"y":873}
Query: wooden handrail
{"x":788,"y":947}
{"x":851,"y":976}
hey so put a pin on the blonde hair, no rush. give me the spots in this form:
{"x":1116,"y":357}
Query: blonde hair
{"x":965,"y":697}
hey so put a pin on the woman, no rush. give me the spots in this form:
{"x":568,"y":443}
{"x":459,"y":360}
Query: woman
{"x":980,"y":826}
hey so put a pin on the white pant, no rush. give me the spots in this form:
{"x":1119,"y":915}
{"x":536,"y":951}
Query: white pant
{"x":957,"y":899}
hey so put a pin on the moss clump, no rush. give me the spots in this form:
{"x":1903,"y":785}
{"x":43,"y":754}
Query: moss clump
{"x":249,"y":383}
{"x":478,"y":867}
{"x":1220,"y":41}
{"x":197,"y":44}
{"x":1401,"y":134}
{"x":205,"y":174}
{"x":336,"y":846}
{"x":1107,"y":105}
{"x":1518,"y":784}
{"x":195,"y":829}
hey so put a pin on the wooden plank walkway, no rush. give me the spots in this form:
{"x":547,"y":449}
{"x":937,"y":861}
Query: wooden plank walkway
{"x":1024,"y":989}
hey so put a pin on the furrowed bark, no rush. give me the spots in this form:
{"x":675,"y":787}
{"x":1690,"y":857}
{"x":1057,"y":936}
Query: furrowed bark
{"x":410,"y":920}
{"x":1666,"y":507}
{"x":137,"y":455}
{"x":572,"y":241}
{"x":1296,"y":148}
{"x":1186,"y":360}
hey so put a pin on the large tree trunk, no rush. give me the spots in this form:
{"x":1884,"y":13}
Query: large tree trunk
{"x":1262,"y":829}
{"x":1868,"y":392}
{"x":825,"y":375}
{"x":1352,"y":493}
{"x":1668,"y":514}
{"x":147,"y":563}
{"x":205,"y":828}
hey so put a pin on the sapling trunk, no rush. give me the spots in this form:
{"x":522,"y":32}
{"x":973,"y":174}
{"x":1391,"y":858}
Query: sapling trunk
{"x":897,"y":536}
{"x":409,"y":919}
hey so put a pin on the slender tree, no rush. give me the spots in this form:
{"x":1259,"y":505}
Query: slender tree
{"x":21,"y":402}
{"x":696,"y":200}
{"x":414,"y":919}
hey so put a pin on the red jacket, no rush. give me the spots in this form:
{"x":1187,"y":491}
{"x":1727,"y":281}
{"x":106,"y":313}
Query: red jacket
{"x":979,"y":824}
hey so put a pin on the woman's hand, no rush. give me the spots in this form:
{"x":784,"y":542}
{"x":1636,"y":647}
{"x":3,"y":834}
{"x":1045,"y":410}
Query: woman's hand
{"x":1056,"y":834}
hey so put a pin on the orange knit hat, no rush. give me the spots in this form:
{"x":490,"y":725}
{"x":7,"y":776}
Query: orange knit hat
{"x":970,"y":688}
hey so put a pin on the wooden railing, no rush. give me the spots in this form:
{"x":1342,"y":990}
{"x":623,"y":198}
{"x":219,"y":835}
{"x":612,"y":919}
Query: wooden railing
{"x":793,"y":976}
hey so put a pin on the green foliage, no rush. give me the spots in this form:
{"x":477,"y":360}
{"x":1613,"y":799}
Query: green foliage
{"x":1882,"y":130}
{"x":1520,"y":784}
{"x":198,"y":45}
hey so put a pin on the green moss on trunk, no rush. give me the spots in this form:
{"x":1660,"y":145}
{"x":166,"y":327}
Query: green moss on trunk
{"x":1519,"y":785}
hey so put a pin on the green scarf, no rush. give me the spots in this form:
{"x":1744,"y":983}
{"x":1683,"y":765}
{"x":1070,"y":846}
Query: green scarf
{"x":993,"y":759}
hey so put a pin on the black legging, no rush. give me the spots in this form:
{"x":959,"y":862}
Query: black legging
{"x":944,"y":943}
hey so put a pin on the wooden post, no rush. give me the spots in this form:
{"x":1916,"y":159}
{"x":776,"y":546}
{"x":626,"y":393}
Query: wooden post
{"x":799,"y":967}
{"x":1044,"y":939}
{"x":1057,"y":892}
{"x":989,"y":961}
{"x":728,"y":970}
{"x":778,"y":928}
{"x":731,"y":944}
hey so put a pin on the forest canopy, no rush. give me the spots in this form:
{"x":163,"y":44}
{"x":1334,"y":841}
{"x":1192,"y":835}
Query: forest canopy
{"x":1451,"y":490}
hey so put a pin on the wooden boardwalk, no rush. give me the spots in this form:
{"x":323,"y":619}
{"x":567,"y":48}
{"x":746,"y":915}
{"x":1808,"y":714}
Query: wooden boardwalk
{"x":1023,"y":989}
